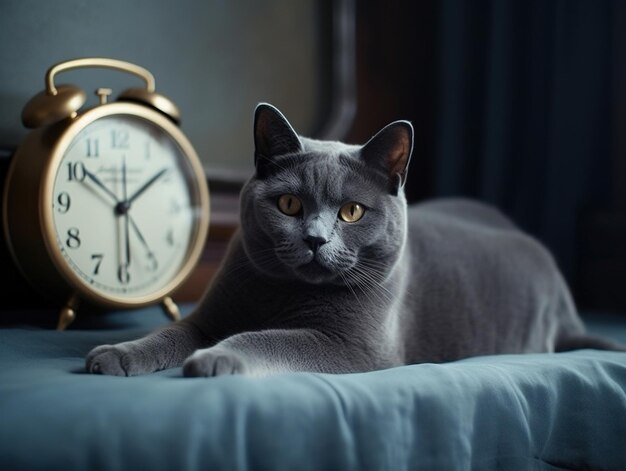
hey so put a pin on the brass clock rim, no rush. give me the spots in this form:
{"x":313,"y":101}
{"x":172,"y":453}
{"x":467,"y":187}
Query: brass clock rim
{"x":45,"y":199}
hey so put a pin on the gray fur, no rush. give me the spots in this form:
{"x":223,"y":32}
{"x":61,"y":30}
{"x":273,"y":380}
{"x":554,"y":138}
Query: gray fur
{"x":434,"y":282}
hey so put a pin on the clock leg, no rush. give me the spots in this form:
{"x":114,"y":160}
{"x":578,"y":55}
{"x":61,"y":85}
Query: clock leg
{"x":170,"y":308}
{"x":68,"y":313}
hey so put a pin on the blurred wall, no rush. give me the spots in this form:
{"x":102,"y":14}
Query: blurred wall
{"x":215,"y":59}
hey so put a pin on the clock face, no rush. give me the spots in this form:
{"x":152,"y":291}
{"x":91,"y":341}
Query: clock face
{"x":125,"y":207}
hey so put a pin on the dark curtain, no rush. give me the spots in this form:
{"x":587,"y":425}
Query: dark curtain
{"x":525,"y":120}
{"x":514,"y":103}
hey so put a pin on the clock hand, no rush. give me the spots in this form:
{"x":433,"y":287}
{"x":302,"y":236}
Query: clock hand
{"x":124,"y":190}
{"x":121,"y":209}
{"x":146,"y":185}
{"x":127,"y":239}
{"x":124,"y":206}
{"x":139,"y":234}
{"x":98,"y":182}
{"x":143,"y":242}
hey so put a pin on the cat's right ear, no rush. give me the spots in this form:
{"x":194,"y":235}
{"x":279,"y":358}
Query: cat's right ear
{"x":273,"y":136}
{"x":390,"y":151}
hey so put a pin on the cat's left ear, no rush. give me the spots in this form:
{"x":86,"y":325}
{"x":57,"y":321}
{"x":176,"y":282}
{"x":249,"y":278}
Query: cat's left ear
{"x":273,"y":135}
{"x":390,"y":151}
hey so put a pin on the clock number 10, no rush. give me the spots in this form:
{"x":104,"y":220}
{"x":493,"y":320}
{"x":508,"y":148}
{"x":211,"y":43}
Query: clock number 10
{"x":76,"y":171}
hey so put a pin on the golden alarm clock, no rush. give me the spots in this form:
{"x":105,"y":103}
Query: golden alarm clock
{"x":107,"y":205}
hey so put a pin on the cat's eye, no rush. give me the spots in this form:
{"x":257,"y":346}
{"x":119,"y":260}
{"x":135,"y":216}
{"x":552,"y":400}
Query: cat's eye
{"x":351,"y":212}
{"x":289,"y":205}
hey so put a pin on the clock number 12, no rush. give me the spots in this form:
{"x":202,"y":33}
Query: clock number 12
{"x":119,"y":139}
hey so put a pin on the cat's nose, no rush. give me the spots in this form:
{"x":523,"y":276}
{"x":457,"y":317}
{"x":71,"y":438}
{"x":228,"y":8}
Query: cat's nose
{"x":314,"y":242}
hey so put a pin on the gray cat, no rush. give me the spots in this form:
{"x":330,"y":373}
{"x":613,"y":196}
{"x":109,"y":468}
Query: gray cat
{"x":331,"y":271}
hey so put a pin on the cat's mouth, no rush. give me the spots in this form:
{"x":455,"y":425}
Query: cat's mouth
{"x":314,"y":272}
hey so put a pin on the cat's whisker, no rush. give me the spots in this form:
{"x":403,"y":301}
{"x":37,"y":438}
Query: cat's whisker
{"x":359,"y":285}
{"x":383,"y":266}
{"x":347,"y":283}
{"x":261,"y":257}
{"x":363,"y":285}
{"x":381,"y":269}
{"x":373,"y":272}
{"x":273,"y":162}
{"x":376,"y":287}
{"x":234,"y":267}
{"x":380,"y":274}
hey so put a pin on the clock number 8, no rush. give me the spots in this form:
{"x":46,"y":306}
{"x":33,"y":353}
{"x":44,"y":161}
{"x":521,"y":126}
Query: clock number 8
{"x":73,"y":241}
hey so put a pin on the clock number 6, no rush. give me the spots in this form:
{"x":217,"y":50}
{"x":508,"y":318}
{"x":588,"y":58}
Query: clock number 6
{"x":123,"y":274}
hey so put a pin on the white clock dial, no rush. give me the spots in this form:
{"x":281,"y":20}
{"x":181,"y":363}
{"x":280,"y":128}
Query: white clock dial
{"x":124,"y":207}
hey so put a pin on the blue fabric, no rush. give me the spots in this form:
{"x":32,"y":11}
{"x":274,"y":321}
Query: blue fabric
{"x":551,"y":411}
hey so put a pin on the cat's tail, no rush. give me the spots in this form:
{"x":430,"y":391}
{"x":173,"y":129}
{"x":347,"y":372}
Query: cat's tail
{"x":583,"y":340}
{"x":572,"y":333}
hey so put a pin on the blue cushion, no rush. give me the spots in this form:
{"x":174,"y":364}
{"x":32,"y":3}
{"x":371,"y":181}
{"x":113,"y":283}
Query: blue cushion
{"x":539,"y":411}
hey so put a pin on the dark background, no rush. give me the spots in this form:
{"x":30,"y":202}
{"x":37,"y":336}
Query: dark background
{"x":521,"y":104}
{"x":517,"y":103}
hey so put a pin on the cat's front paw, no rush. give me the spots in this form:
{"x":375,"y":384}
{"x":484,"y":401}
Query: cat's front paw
{"x":122,"y":359}
{"x":214,"y":362}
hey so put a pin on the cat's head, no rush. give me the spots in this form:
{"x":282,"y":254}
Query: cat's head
{"x":322,"y":211}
